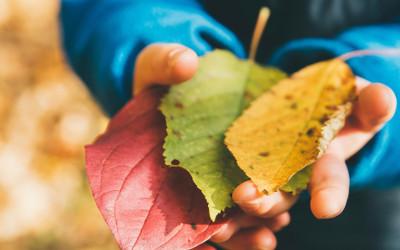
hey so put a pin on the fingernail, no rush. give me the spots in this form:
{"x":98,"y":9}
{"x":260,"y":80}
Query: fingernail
{"x":248,"y":193}
{"x":386,"y":108}
{"x":331,"y":207}
{"x":175,"y":55}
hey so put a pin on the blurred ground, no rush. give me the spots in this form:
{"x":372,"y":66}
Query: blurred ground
{"x":46,"y":116}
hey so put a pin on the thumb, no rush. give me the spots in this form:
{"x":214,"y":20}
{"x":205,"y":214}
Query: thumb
{"x":164,"y":64}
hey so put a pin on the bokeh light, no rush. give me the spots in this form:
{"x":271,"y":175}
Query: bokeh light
{"x":46,"y":117}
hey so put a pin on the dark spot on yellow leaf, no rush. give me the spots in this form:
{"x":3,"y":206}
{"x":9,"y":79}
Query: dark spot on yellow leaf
{"x":324,"y":119}
{"x":353,"y":97}
{"x":288,"y":97}
{"x":331,"y":107}
{"x":263,"y":154}
{"x":310,"y":132}
{"x":294,"y":106}
{"x":330,"y":88}
{"x":175,"y":162}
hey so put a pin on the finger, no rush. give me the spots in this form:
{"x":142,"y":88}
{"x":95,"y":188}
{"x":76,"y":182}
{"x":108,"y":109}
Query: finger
{"x":253,"y":202}
{"x":242,"y":221}
{"x":164,"y":64}
{"x":329,"y":186}
{"x":375,"y":105}
{"x":238,"y":221}
{"x":252,"y":238}
{"x":350,"y":140}
{"x":278,"y":222}
{"x":372,"y":109}
{"x":275,"y":223}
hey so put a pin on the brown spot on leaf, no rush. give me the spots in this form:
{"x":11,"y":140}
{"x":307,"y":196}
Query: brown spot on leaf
{"x":310,"y":132}
{"x":330,"y":88}
{"x":288,"y":97}
{"x":331,"y":107}
{"x":175,"y":162}
{"x":248,"y":96}
{"x":294,"y":106}
{"x":324,"y":119}
{"x":353,"y":97}
{"x":263,"y":154}
{"x":179,"y":105}
{"x":176,"y":133}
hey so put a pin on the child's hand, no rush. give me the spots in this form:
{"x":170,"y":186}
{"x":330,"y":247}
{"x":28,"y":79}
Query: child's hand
{"x":329,"y":184}
{"x":329,"y":187}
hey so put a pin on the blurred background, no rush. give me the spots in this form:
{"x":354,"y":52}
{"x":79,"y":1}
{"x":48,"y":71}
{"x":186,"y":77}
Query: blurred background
{"x":46,"y":117}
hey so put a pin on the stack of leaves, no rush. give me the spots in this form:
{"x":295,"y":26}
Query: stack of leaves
{"x":286,"y":127}
{"x":199,"y":112}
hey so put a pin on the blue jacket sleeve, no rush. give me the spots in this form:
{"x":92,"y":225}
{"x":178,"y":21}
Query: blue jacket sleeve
{"x":378,"y":163}
{"x":102,"y":39}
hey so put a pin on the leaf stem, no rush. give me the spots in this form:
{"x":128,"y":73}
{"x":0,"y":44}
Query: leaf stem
{"x":370,"y":52}
{"x":262,"y":21}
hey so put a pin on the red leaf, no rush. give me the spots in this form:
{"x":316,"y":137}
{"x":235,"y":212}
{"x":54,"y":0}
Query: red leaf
{"x":145,"y":204}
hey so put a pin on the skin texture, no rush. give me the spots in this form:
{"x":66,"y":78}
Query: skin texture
{"x":260,"y":216}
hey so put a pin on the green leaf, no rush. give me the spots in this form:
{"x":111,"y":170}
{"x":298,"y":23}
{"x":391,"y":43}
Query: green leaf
{"x":199,"y":111}
{"x":298,"y":182}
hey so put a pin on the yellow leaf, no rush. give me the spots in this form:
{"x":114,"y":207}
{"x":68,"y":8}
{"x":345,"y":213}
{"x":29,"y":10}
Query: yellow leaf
{"x":291,"y":125}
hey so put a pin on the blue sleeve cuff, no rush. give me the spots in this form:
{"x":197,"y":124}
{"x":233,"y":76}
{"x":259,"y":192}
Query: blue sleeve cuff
{"x":103,"y":47}
{"x":377,"y":164}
